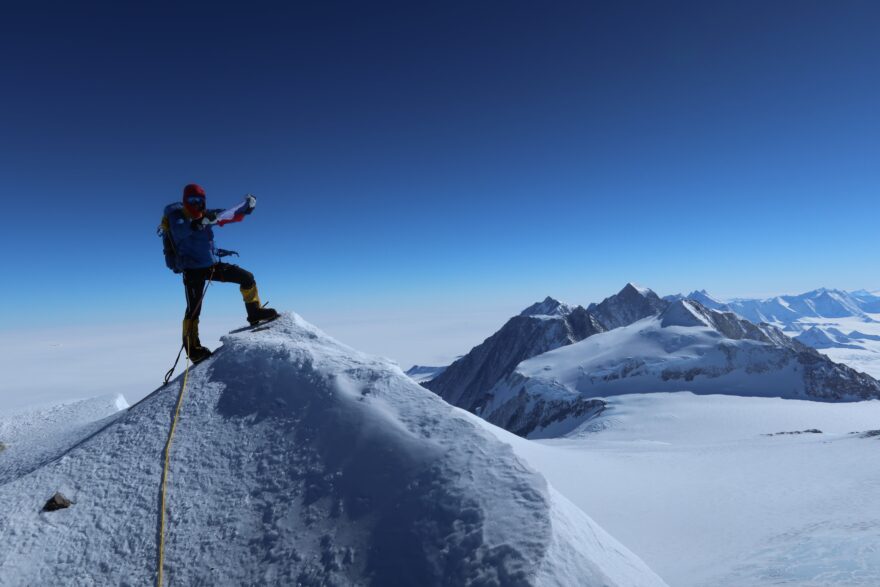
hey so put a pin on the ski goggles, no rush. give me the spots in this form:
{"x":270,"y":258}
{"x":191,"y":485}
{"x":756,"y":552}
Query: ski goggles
{"x":196,"y":201}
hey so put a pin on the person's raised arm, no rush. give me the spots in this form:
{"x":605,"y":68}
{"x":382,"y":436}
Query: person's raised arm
{"x":236,"y":213}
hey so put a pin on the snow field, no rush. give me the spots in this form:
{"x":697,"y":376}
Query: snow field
{"x":692,"y":484}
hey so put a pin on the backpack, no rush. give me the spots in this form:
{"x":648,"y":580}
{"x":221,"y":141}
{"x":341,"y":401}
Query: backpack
{"x":168,"y":248}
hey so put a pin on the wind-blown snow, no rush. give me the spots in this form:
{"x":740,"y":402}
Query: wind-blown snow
{"x":298,"y":460}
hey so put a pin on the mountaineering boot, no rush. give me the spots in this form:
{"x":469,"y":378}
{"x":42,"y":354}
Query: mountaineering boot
{"x":255,"y":312}
{"x":194,"y":349}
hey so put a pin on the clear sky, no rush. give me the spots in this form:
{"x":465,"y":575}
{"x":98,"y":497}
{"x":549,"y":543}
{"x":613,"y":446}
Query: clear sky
{"x":438,"y":157}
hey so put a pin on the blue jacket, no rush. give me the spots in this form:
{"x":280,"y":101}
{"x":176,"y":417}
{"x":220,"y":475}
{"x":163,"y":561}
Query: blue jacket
{"x":195,"y":248}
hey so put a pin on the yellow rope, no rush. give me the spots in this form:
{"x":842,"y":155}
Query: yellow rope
{"x":165,"y":474}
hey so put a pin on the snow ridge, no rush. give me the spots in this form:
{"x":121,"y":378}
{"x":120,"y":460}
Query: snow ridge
{"x":298,"y":460}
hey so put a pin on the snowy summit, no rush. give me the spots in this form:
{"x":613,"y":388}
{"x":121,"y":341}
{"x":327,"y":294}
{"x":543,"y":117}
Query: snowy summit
{"x":298,"y":460}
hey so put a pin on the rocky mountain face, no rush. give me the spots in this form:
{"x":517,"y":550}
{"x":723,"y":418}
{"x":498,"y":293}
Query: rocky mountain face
{"x":628,"y":305}
{"x":689,"y":312}
{"x":547,"y":369}
{"x":539,"y":328}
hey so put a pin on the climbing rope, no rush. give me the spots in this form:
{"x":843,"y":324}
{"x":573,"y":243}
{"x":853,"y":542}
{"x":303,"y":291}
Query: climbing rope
{"x":170,"y":371}
{"x":162,"y":492}
{"x":161,"y":557}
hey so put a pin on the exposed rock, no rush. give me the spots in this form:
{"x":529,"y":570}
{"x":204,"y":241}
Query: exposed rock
{"x":549,"y":307}
{"x":629,"y":305}
{"x":809,"y":431}
{"x":57,"y":502}
{"x":466,"y":381}
{"x":525,"y":413}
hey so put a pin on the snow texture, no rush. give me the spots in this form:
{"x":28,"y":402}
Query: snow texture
{"x":705,"y":490}
{"x":37,"y":435}
{"x":298,"y":460}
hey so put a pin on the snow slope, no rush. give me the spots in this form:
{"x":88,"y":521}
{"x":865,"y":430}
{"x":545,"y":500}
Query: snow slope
{"x":298,"y":460}
{"x":705,"y":490}
{"x":39,"y":434}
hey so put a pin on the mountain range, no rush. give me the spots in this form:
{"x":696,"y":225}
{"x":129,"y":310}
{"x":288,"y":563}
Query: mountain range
{"x":789,"y":312}
{"x":546,"y":370}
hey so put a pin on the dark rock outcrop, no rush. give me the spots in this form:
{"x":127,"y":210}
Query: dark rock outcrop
{"x":57,"y":502}
{"x":465,"y":382}
{"x":629,"y":305}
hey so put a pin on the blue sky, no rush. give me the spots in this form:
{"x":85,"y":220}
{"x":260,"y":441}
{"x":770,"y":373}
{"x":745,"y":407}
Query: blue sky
{"x":411,"y":157}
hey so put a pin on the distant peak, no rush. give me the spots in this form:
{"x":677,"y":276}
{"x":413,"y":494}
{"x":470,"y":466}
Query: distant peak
{"x":631,"y":288}
{"x":548,"y":307}
{"x":684,"y":313}
{"x":825,"y":291}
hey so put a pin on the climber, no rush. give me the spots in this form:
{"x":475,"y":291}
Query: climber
{"x":188,"y":237}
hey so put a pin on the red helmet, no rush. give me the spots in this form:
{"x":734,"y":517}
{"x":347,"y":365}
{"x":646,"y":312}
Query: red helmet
{"x":194,"y":200}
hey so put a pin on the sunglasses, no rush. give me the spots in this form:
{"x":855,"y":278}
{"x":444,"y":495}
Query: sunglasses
{"x":196,"y":200}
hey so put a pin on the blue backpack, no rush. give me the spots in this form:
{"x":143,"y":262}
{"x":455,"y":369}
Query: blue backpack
{"x":164,"y":231}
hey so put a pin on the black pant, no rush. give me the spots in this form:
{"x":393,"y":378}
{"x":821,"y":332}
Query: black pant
{"x":194,"y":283}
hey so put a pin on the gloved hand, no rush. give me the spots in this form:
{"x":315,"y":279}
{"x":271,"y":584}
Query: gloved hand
{"x":251,"y":201}
{"x":209,"y":217}
{"x":225,"y":253}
